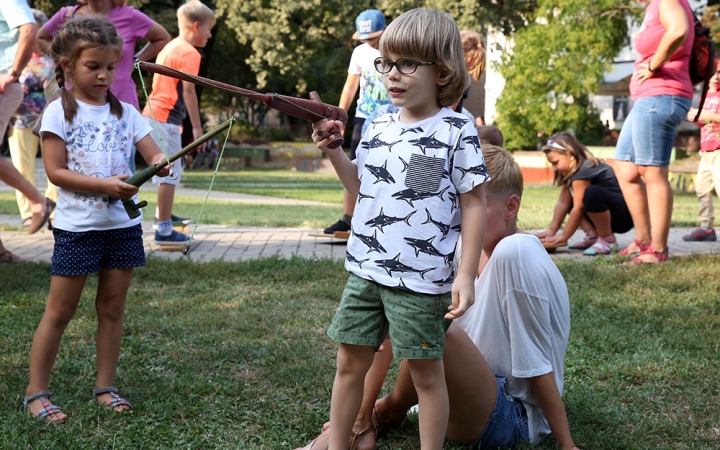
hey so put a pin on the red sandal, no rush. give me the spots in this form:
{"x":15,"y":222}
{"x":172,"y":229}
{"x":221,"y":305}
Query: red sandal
{"x":660,"y":256}
{"x":640,"y":245}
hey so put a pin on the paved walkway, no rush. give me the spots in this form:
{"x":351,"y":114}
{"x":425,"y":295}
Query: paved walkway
{"x":232,"y":243}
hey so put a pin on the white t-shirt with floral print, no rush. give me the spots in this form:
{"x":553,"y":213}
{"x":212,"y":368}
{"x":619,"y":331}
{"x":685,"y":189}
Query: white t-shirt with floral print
{"x":98,"y":145}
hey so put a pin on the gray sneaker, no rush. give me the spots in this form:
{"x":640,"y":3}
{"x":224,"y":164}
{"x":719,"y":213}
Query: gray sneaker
{"x":701,"y":234}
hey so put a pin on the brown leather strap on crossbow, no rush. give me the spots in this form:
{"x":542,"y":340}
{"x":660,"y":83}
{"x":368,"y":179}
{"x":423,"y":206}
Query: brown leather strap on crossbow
{"x":301,"y":108}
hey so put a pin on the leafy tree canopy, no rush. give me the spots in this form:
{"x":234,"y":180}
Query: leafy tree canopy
{"x":555,"y":63}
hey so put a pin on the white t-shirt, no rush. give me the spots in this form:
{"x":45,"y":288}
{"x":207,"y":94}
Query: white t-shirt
{"x":98,"y":145}
{"x":13,"y":14}
{"x":372,"y":90}
{"x":407,"y":218}
{"x":521,"y":320}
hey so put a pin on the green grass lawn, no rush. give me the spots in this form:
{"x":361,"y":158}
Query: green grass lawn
{"x":537,"y":205}
{"x":234,"y":355}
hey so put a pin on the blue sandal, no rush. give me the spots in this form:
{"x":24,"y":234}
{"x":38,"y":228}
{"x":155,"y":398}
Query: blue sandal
{"x":116,"y":399}
{"x":49,"y":410}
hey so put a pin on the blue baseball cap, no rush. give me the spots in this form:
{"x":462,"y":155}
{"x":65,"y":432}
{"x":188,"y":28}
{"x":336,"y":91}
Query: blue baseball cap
{"x":369,"y":24}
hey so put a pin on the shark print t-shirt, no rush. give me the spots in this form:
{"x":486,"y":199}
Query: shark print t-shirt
{"x":98,"y":145}
{"x":407,"y":218}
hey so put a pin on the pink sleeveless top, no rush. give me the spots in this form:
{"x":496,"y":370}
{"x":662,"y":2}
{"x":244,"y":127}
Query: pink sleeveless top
{"x":673,"y":77}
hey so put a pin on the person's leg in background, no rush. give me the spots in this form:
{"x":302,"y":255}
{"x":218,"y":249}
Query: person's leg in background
{"x":348,"y":201}
{"x":166,"y":187}
{"x":23,"y":150}
{"x":628,"y":175}
{"x":653,"y":166}
{"x":706,"y":182}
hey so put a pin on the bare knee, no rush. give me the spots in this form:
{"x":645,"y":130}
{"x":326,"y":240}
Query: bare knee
{"x":59,"y":313}
{"x":427,"y":374}
{"x":354,"y":359}
{"x":111,"y":309}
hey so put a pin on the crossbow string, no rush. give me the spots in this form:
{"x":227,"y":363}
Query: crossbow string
{"x":309,"y":110}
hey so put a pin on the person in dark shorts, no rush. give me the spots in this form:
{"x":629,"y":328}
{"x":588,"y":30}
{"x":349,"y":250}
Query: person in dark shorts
{"x":93,"y":233}
{"x":589,"y":195}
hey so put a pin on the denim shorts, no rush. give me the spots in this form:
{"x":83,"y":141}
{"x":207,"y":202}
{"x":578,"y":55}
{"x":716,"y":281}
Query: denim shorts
{"x":648,"y":134}
{"x":415,"y":321}
{"x":508,"y":424}
{"x":82,"y":253}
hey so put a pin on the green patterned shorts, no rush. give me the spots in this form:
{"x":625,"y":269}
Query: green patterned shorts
{"x":368,"y":311}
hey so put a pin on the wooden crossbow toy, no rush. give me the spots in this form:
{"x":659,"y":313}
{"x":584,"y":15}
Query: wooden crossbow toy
{"x":132,"y":208}
{"x":305,"y":109}
{"x":301,"y":108}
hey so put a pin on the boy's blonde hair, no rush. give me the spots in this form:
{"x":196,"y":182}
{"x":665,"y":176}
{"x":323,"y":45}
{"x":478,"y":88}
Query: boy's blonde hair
{"x":565,"y":143}
{"x":505,"y":175}
{"x":429,"y":35}
{"x":195,"y":11}
{"x":474,"y":53}
{"x":490,"y":134}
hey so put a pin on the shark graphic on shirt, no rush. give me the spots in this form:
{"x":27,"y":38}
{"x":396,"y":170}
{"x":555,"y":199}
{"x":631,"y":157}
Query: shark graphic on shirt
{"x":447,"y":280}
{"x":429,"y":142}
{"x":474,"y":141}
{"x":411,"y":195}
{"x":390,"y":121}
{"x":480,"y":169}
{"x":394,"y":265}
{"x":381,"y":173}
{"x":457,"y":122}
{"x":453,"y":201}
{"x":425,"y":246}
{"x":354,"y":260}
{"x":381,"y":220}
{"x":375,"y":142}
{"x":405,"y":165}
{"x":411,"y":130}
{"x":362,"y":196}
{"x":401,"y":285}
{"x":371,"y":241}
{"x":443,"y":227}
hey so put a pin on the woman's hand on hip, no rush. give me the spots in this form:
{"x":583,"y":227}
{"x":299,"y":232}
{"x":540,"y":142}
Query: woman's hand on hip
{"x":643,"y":73}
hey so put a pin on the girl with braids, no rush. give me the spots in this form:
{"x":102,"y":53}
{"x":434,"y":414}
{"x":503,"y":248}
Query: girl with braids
{"x":87,"y":135}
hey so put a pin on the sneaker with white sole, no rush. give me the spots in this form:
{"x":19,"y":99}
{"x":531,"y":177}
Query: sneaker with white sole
{"x":175,"y":220}
{"x":602,"y":246}
{"x":173,"y":238}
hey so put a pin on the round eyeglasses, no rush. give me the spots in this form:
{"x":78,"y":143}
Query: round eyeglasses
{"x":405,"y":66}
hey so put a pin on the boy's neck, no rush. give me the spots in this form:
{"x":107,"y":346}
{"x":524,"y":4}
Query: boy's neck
{"x":187,"y":35}
{"x":410,"y":116}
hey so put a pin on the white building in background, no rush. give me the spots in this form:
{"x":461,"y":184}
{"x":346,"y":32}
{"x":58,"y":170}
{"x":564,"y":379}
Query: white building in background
{"x":613,"y":99}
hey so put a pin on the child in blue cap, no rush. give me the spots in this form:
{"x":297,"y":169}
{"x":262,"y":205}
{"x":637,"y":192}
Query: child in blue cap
{"x":369,"y":26}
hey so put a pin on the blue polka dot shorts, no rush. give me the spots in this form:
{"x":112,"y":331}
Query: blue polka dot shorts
{"x":90,"y":251}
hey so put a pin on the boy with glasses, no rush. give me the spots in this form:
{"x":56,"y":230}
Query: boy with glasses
{"x":418,"y":178}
